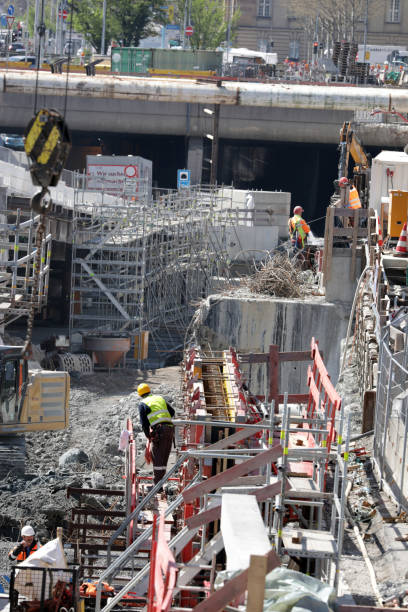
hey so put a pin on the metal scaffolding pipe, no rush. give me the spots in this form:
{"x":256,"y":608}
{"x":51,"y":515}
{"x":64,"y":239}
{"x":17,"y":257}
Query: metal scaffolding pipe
{"x":283,"y":95}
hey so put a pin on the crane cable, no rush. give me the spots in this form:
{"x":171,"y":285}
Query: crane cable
{"x":39,"y":202}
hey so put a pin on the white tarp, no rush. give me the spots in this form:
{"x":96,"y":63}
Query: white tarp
{"x":29,"y":582}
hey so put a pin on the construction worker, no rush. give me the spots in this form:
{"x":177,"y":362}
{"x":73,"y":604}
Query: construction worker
{"x":26,"y":547}
{"x":156,"y":419}
{"x":298,"y":228}
{"x":353,"y":199}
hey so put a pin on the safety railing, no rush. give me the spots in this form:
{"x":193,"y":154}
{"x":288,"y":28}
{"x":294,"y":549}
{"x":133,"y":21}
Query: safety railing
{"x":391,"y":410}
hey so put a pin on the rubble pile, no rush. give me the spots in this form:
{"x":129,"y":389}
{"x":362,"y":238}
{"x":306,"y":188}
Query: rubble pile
{"x":85,"y":455}
{"x":281,"y":277}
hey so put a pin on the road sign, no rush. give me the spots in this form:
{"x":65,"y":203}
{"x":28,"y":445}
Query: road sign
{"x":183,"y":179}
{"x":189,"y":31}
{"x":10,"y":21}
{"x":64,"y":14}
{"x":3,"y":21}
{"x":10,"y":10}
{"x":131,"y":171}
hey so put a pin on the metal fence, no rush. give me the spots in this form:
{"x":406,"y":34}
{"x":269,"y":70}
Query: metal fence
{"x":391,"y":414}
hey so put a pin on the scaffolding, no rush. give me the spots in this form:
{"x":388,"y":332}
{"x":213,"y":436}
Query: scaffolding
{"x":17,"y":265}
{"x":143,"y":266}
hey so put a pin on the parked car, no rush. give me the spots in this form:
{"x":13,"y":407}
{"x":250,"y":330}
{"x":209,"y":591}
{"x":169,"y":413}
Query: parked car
{"x":12,"y":141}
{"x":17,"y":48}
{"x":31,"y":59}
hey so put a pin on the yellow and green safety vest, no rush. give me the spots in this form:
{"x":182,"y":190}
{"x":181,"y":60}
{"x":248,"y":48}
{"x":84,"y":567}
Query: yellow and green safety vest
{"x":158,"y":410}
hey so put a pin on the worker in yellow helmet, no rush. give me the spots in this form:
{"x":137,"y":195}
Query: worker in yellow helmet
{"x":156,"y":418}
{"x":298,"y":228}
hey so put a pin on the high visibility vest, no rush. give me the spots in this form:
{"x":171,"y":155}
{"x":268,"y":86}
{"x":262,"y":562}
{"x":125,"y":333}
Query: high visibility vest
{"x":22,"y":556}
{"x":158,"y":410}
{"x":354,"y":199}
{"x":299,"y":225}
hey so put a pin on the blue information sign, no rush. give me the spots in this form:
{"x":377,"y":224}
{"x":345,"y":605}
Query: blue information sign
{"x":10,"y":10}
{"x":183,"y":179}
{"x":3,"y":21}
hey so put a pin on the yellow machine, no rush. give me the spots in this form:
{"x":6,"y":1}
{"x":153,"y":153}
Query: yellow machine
{"x":351,"y":145}
{"x":398,"y":212}
{"x":34,"y":400}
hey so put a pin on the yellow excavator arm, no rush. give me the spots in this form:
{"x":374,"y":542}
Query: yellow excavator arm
{"x":36,"y":400}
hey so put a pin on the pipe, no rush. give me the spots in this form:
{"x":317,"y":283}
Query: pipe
{"x":273,"y":95}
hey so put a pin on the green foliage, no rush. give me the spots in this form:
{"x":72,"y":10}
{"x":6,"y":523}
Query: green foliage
{"x":127,"y":21}
{"x":209,"y":22}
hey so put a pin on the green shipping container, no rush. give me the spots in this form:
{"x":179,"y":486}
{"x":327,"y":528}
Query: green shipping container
{"x":183,"y":60}
{"x":131,"y":60}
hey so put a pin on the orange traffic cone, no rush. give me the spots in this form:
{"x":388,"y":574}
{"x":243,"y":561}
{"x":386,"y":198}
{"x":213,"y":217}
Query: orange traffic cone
{"x":401,"y":249}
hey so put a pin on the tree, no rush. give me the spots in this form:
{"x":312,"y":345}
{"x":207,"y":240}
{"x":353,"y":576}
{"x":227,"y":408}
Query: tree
{"x":137,"y":19}
{"x":127,"y":21}
{"x":334,"y":19}
{"x":209,"y":21}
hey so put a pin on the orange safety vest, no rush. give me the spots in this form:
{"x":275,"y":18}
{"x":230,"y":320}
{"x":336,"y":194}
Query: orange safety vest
{"x":299,"y":225}
{"x":23,"y":555}
{"x":354,"y":199}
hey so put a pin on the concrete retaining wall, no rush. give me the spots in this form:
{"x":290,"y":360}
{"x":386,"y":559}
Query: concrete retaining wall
{"x":252,"y":324}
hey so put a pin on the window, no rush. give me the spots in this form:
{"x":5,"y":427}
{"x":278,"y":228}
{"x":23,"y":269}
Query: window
{"x":393,"y":11}
{"x":264,"y":8}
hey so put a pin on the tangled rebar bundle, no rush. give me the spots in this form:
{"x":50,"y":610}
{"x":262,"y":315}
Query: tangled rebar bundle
{"x":280,"y":276}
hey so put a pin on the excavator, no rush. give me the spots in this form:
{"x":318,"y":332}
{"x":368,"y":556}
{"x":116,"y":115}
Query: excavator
{"x":30,"y":400}
{"x":350,"y":145}
{"x":36,"y":399}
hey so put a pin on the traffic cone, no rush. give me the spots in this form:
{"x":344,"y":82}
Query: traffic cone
{"x":401,"y":249}
{"x":380,"y":241}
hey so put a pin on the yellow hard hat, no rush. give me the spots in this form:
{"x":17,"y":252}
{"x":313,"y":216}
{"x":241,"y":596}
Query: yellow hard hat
{"x":143,"y":388}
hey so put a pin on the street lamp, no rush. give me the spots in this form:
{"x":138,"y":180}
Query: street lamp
{"x":103,"y":28}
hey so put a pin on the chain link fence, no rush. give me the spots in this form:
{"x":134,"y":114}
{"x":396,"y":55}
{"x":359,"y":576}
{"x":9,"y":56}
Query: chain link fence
{"x":391,"y":414}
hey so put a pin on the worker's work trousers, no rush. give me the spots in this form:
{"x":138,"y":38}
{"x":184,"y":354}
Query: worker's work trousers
{"x":162,"y":437}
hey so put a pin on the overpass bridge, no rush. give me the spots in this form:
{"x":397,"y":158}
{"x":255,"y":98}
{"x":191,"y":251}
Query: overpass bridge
{"x":251,"y":111}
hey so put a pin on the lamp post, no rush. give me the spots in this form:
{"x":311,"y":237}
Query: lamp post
{"x":103,"y":28}
{"x":365,"y":37}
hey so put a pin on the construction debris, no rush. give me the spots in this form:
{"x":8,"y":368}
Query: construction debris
{"x":281,"y":276}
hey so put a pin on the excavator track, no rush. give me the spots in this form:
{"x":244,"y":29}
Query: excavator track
{"x":12,"y":455}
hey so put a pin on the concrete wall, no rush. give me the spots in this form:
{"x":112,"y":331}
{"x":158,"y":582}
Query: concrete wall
{"x":252,"y":324}
{"x":340,"y":287}
{"x":250,"y":243}
{"x":272,"y":208}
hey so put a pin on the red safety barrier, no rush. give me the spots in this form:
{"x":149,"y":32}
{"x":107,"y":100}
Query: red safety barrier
{"x":163,"y":571}
{"x":323,"y":397}
{"x":131,"y":476}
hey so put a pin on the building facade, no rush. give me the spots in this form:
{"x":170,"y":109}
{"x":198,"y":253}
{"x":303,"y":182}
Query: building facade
{"x":269,"y":25}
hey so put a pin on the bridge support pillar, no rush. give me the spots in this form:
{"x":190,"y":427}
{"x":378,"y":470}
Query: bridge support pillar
{"x":195,"y":158}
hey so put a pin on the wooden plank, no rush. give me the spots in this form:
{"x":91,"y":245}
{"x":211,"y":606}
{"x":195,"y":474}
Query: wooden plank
{"x":212,"y":514}
{"x":349,"y":212}
{"x":243,"y":530}
{"x":256,"y":583}
{"x":238,"y":436}
{"x":347,"y":232}
{"x":240,"y":469}
{"x":295,"y":398}
{"x":274,"y":375}
{"x":295,"y":356}
{"x":233,"y":588}
{"x":282,"y":355}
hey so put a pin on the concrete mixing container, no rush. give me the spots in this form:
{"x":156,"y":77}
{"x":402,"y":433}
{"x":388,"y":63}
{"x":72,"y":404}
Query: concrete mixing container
{"x":107,"y":351}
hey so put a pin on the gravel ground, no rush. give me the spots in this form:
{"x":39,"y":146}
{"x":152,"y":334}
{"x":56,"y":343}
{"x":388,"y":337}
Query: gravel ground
{"x":99,"y":407}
